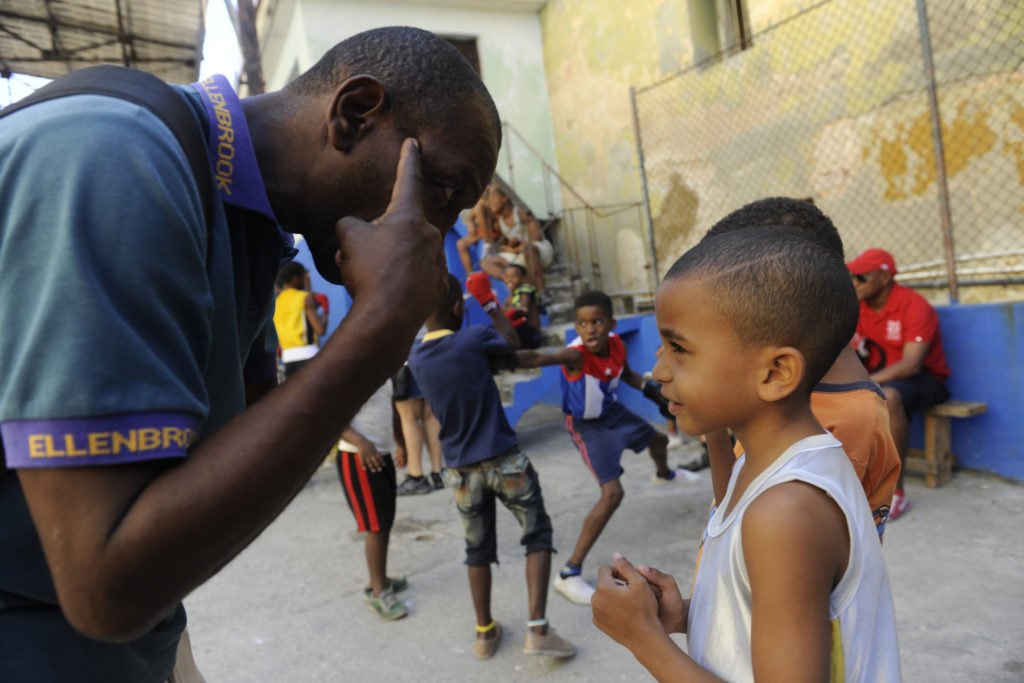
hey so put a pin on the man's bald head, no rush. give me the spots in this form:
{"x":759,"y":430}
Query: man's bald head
{"x":424,"y":76}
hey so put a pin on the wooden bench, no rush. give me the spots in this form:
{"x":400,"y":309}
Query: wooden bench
{"x":936,"y":460}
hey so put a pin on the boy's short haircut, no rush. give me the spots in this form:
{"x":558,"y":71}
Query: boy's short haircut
{"x":454,"y":295}
{"x":778,"y":286}
{"x":521,"y":269}
{"x":290,"y":271}
{"x":594,"y":297}
{"x":799,"y":213}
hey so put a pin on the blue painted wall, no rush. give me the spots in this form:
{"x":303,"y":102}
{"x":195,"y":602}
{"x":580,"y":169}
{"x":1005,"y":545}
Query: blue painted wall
{"x":984,"y":346}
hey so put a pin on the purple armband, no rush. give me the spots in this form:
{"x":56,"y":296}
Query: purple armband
{"x":108,"y":440}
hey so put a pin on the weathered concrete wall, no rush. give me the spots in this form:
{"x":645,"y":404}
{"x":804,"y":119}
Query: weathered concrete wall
{"x":829,"y":104}
{"x":297,"y":32}
{"x":594,"y":50}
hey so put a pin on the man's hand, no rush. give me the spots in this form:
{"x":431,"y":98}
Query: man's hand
{"x":397,"y":262}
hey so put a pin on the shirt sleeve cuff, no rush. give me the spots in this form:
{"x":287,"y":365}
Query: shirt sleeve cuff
{"x":107,"y":440}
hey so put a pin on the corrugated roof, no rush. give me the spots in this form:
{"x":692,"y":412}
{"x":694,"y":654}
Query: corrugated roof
{"x":51,"y":37}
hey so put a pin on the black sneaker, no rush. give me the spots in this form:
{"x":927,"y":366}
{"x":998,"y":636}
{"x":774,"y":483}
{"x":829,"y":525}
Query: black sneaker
{"x":414,"y":486}
{"x":436,"y":480}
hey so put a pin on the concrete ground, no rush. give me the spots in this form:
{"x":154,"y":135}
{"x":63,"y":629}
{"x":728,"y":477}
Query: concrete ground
{"x":289,"y":608}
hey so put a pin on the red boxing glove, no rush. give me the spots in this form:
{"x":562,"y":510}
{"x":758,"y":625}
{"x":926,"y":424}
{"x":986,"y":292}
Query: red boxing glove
{"x":479,"y":285}
{"x":322,"y":302}
{"x":515,"y":316}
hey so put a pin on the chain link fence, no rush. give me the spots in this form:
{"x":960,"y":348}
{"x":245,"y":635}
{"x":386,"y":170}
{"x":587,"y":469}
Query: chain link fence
{"x":903,"y":120}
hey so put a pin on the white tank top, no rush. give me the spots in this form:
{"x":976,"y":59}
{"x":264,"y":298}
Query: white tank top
{"x":373,"y":421}
{"x":517,"y":231}
{"x":863,"y":621}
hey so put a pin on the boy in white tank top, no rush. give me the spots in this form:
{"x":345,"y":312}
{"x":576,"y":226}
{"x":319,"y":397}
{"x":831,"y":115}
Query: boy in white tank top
{"x":791,"y":583}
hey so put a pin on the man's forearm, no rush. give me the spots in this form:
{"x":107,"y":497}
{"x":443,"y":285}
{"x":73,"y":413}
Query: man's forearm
{"x":898,"y":370}
{"x":125,"y":544}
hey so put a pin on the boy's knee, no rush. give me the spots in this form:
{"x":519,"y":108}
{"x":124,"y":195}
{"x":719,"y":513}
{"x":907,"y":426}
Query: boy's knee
{"x":612,"y":496}
{"x":659,"y":441}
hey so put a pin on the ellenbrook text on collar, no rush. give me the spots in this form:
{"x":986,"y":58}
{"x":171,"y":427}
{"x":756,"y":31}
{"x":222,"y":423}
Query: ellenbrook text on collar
{"x":233,"y":161}
{"x":223,"y":166}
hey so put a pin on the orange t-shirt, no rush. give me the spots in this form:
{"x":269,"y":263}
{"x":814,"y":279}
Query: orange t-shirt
{"x":857,"y":416}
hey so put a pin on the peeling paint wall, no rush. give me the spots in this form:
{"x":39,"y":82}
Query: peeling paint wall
{"x":830,"y":103}
{"x":594,"y":50}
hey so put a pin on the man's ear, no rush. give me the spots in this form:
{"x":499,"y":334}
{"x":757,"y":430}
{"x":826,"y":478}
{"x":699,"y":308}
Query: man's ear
{"x":356,"y":107}
{"x":783,"y":372}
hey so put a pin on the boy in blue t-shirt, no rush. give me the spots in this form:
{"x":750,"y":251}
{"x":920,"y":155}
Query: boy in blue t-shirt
{"x":601,"y":427}
{"x":483,"y":459}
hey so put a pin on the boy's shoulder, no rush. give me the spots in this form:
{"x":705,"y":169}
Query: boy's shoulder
{"x":465,"y":338}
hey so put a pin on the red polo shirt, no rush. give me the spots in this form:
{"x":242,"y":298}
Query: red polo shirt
{"x":906,"y":317}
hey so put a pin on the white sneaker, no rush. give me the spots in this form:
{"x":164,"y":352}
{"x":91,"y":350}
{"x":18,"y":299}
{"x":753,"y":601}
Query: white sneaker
{"x":675,"y":440}
{"x":574,"y":588}
{"x":682,"y":478}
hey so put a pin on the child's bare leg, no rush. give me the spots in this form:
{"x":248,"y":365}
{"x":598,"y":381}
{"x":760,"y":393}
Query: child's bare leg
{"x":659,"y":454}
{"x":377,"y":559}
{"x":538,"y":571}
{"x":533,"y":267}
{"x":593,"y":524}
{"x":480,"y":590}
{"x":493,"y":265}
{"x":409,"y":412}
{"x":432,"y":430}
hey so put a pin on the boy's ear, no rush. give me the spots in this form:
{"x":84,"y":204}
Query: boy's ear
{"x":612,"y":323}
{"x":783,"y":372}
{"x":355,"y":108}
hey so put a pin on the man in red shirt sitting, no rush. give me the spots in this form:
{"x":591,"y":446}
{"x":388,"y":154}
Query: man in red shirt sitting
{"x":899,"y":332}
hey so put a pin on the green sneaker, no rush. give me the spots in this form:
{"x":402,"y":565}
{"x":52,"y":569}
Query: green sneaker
{"x":394,"y":585}
{"x":386,"y":605}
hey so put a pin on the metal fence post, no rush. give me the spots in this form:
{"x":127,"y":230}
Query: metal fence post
{"x":940,"y":152}
{"x":643,"y":188}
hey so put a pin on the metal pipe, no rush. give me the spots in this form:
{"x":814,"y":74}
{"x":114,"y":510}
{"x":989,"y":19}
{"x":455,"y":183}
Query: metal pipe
{"x":595,"y":260}
{"x":648,"y":223}
{"x":940,"y":152}
{"x":995,"y":282}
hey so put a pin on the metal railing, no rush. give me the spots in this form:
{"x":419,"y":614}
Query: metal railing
{"x":601,"y":244}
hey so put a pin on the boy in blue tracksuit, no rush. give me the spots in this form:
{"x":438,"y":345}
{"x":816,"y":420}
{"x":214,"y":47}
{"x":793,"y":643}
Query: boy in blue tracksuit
{"x":601,"y":428}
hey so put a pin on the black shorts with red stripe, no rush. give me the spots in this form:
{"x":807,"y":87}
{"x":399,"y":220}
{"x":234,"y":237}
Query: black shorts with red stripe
{"x":370,"y":495}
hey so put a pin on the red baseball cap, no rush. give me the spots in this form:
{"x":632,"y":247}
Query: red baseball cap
{"x":872,"y":259}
